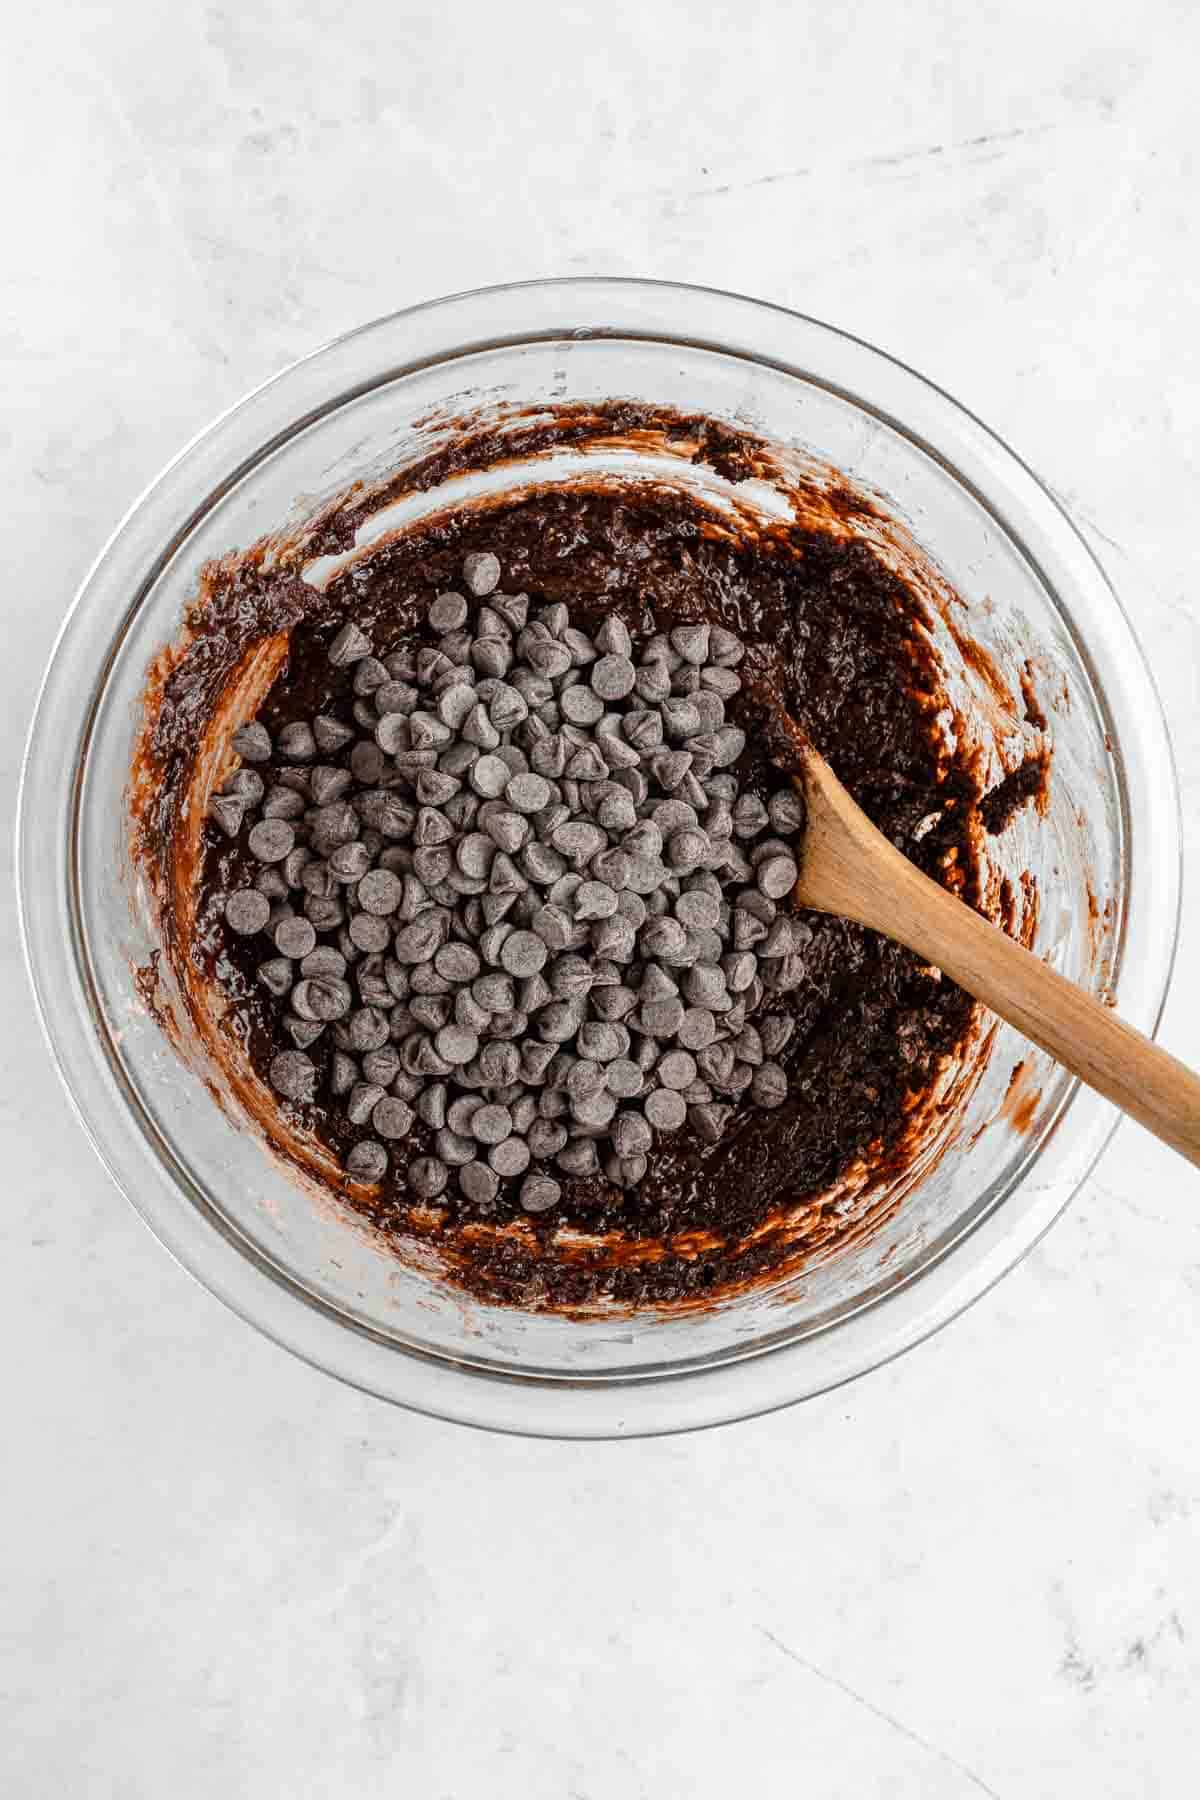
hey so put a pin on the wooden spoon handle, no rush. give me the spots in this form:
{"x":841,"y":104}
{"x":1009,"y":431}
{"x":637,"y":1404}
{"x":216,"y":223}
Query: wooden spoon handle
{"x":884,"y":890}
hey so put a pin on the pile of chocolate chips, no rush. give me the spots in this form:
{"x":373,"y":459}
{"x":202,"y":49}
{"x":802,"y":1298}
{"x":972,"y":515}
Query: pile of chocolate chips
{"x":526,"y":897}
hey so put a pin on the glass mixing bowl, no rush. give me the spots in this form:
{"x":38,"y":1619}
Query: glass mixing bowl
{"x":1107,"y":856}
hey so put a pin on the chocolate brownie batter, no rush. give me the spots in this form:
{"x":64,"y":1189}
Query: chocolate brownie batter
{"x":871,"y":1024}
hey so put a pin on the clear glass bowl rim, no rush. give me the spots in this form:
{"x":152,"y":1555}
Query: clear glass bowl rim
{"x":452,"y":327}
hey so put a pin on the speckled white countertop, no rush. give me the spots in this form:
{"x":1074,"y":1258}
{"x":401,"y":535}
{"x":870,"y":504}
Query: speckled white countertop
{"x":976,"y":1572}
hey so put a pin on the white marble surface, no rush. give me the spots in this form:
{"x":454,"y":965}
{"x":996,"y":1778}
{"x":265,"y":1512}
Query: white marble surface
{"x":977,"y":1571}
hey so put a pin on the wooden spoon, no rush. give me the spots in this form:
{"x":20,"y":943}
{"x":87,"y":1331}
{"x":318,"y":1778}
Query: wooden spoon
{"x":850,"y":868}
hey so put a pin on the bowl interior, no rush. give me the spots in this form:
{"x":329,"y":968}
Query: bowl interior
{"x":1032,"y":600}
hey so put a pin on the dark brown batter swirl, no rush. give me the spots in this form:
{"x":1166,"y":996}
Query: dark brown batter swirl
{"x":872,"y":1025}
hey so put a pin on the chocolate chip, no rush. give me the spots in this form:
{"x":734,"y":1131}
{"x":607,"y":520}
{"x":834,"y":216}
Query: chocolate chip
{"x":776,"y":1031}
{"x":510,"y":1158}
{"x":669,"y":767}
{"x":499,"y":1064}
{"x":431,"y":1105}
{"x":587,"y":764}
{"x":396,"y":696}
{"x":456,"y":1045}
{"x":478,"y":1183}
{"x":392,"y":1118}
{"x":276,"y":976}
{"x":427,"y":1177}
{"x":367,"y":1161}
{"x":324,"y":960}
{"x":349,"y":646}
{"x":697,"y":910}
{"x":293,"y":1075}
{"x":665,"y":939}
{"x":456,"y":703}
{"x":731,"y":742}
{"x":708,"y":1121}
{"x":778,"y":941}
{"x":546,"y":1137}
{"x":295,"y":937}
{"x":491,"y":1124}
{"x":631,"y":1135}
{"x":418,"y":942}
{"x":568,"y":976}
{"x":665,"y":1109}
{"x":382,"y":1066}
{"x":370,"y":976}
{"x":507,"y":830}
{"x":393,"y":734}
{"x":481,"y":572}
{"x":322,"y":997}
{"x":613,"y":939}
{"x":380,"y":892}
{"x":368,"y":1029}
{"x":461,"y":1111}
{"x":330,"y":734}
{"x":594,"y":900}
{"x":490,"y":776}
{"x":491,"y":941}
{"x":448,"y":612}
{"x":227,"y":811}
{"x":559,"y":1021}
{"x":623,"y":1077}
{"x":697,"y":1028}
{"x":343,"y":1072}
{"x":786,"y":811}
{"x":687,"y":849}
{"x":302,"y":1032}
{"x":631,"y":906}
{"x":506,"y":878}
{"x":553,"y":926}
{"x":539,"y":1193}
{"x":691,"y":642}
{"x":527,"y":793}
{"x":326,"y":915}
{"x":457,"y":962}
{"x":338,"y":823}
{"x":748,"y":929}
{"x":677,"y":1069}
{"x":349,"y":862}
{"x":296,"y":742}
{"x":578,"y":1158}
{"x":369,"y":934}
{"x":271,"y":840}
{"x":613,"y":676}
{"x":705,"y":985}
{"x":247,"y":911}
{"x":769,"y":1085}
{"x":454,"y":1149}
{"x":776,"y":876}
{"x":426,"y":732}
{"x":252,"y":742}
{"x":495,"y":993}
{"x":327,"y":783}
{"x":595,"y":1111}
{"x":661,"y":1018}
{"x":710,"y":709}
{"x":739,"y":969}
{"x":360,"y":1102}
